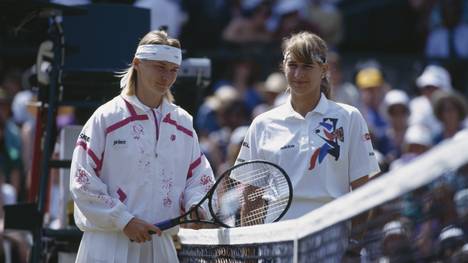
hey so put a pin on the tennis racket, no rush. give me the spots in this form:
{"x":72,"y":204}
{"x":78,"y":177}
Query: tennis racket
{"x":249,"y":193}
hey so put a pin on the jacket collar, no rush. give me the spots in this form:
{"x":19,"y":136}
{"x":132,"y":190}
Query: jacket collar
{"x":165,"y":107}
{"x":321,"y":108}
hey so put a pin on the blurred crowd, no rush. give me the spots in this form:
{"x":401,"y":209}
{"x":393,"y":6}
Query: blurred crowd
{"x":404,"y":121}
{"x":428,"y":224}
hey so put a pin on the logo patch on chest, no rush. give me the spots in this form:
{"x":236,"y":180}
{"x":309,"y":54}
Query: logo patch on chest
{"x":137,"y":131}
{"x":330,"y":136}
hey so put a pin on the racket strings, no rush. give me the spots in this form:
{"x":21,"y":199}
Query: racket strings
{"x":274,"y":208}
{"x":271,"y":182}
{"x":278,"y":185}
{"x":251,"y":194}
{"x":255,"y":176}
{"x":229,"y":184}
{"x":261,"y":192}
{"x":258,"y":179}
{"x":260,"y":213}
{"x":251,"y":198}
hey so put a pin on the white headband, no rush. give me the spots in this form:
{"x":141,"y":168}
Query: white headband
{"x":160,"y":53}
{"x":314,"y":57}
{"x":156,"y":52}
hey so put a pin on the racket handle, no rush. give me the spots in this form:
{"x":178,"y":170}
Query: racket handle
{"x":164,"y":224}
{"x":149,"y":232}
{"x":161,"y":225}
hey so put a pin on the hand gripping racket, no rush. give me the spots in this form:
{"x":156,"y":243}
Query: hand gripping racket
{"x":249,"y":193}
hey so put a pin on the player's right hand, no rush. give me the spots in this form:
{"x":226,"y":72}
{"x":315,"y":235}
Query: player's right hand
{"x":140,"y":231}
{"x":199,"y":214}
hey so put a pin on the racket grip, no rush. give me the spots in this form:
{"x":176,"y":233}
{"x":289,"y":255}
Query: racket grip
{"x":164,"y":224}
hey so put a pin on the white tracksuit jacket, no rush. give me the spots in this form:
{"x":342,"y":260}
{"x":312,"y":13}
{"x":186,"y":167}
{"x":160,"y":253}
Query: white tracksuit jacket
{"x":128,"y":163}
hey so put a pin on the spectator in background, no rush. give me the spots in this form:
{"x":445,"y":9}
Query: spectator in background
{"x":8,"y":194}
{"x":164,"y":13}
{"x":460,"y":199}
{"x":423,"y":10}
{"x":24,"y":113}
{"x":396,"y":103}
{"x":11,"y":82}
{"x":450,"y":240}
{"x":450,"y":109}
{"x":417,"y":141}
{"x":344,"y":92}
{"x":19,"y":107}
{"x":204,"y":26}
{"x":447,"y":43}
{"x":435,"y":210}
{"x":250,"y":27}
{"x":232,"y":115}
{"x":273,"y":87}
{"x":235,"y":114}
{"x":10,"y":145}
{"x":372,"y":87}
{"x":433,"y":78}
{"x":328,"y":19}
{"x":436,"y":15}
{"x":7,"y":244}
{"x":217,"y":118}
{"x":461,"y":255}
{"x":71,"y":2}
{"x":291,"y":19}
{"x":396,"y":243}
{"x":242,"y":75}
{"x":449,"y":40}
{"x":13,"y":243}
{"x":455,"y":180}
{"x":210,"y":112}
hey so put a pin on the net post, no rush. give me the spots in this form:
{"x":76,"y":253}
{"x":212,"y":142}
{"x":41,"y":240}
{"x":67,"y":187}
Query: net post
{"x":295,"y":250}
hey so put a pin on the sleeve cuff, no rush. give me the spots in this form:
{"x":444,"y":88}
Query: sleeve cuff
{"x":355,"y":175}
{"x":122,"y":219}
{"x":192,"y":201}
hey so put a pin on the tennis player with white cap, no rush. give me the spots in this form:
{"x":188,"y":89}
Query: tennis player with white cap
{"x":137,"y":162}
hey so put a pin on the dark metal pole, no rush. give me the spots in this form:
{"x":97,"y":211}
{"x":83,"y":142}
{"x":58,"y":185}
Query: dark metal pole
{"x":50,"y":132}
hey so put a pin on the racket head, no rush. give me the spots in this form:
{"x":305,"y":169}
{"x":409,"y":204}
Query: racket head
{"x":250,"y":193}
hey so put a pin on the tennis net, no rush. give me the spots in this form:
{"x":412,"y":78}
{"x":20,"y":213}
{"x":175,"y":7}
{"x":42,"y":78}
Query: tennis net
{"x":416,"y":213}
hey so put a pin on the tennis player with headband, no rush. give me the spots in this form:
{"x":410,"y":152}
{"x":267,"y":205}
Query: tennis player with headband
{"x":322,"y":145}
{"x":137,"y":161}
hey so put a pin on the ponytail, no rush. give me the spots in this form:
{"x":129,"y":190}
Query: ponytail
{"x":325,"y":87}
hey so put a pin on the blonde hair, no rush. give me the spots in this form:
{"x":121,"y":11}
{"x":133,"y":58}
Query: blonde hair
{"x":308,"y":48}
{"x":153,"y":37}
